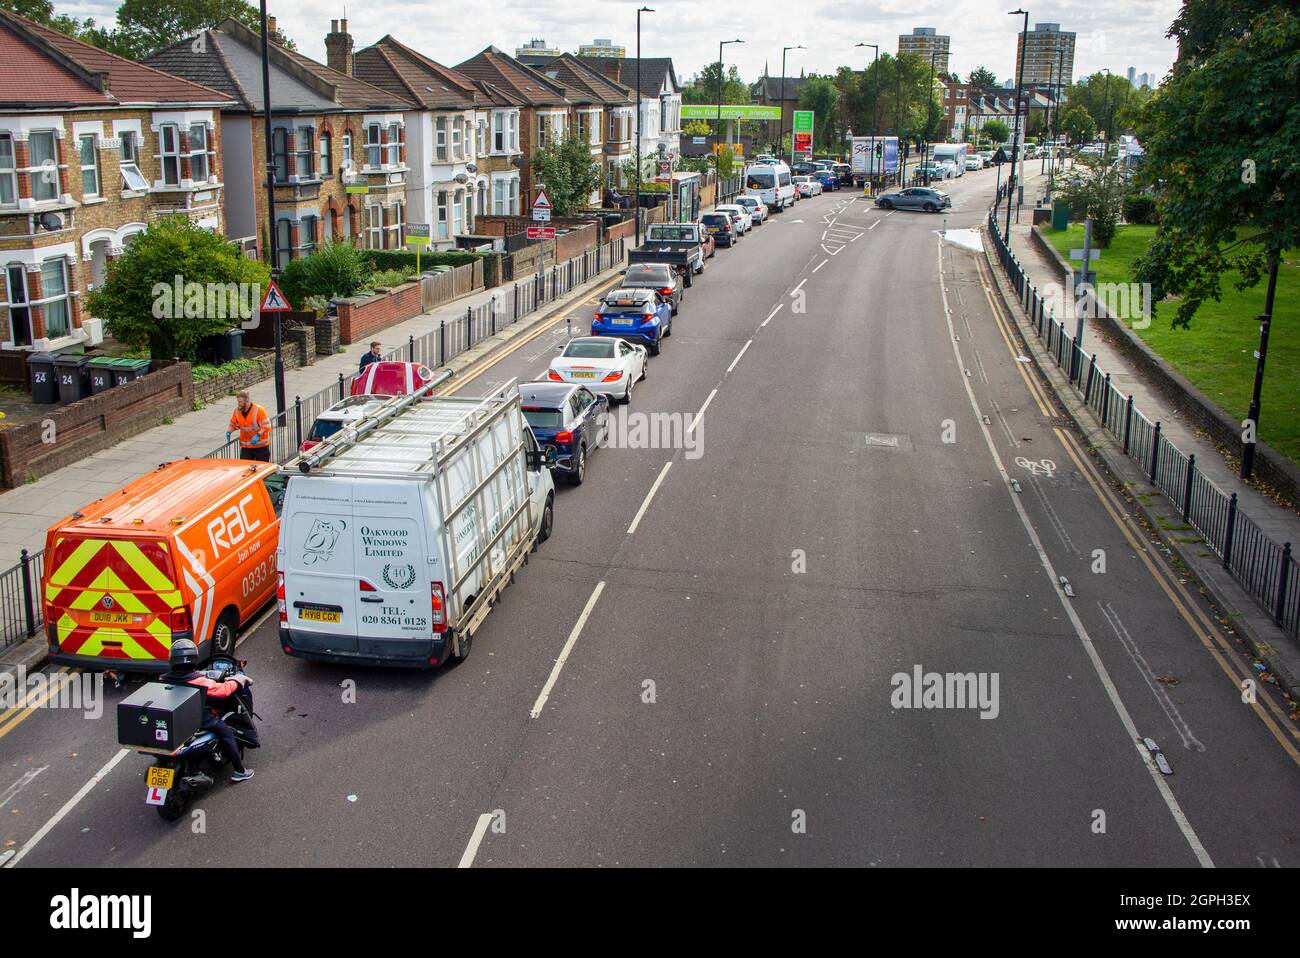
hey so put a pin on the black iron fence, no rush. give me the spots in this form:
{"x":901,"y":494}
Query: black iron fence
{"x":1264,"y":568}
{"x":20,"y":603}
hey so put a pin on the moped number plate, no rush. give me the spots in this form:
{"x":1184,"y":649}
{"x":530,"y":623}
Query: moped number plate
{"x":158,"y":777}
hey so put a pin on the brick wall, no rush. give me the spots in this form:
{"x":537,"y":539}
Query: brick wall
{"x":227,"y":384}
{"x":576,"y":242}
{"x":95,"y":423}
{"x":362,"y":316}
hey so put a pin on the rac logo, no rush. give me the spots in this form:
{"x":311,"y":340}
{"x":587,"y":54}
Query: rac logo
{"x":231,"y":527}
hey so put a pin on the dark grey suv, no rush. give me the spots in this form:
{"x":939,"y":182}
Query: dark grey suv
{"x":915,"y":198}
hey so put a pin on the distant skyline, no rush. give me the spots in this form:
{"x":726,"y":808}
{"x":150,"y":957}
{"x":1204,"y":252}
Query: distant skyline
{"x":1109,"y":32}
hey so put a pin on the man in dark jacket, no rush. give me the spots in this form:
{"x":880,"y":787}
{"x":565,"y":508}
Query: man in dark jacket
{"x":370,"y":357}
{"x":183,"y":670}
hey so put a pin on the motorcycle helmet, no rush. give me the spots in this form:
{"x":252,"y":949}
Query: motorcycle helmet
{"x":184,"y":655}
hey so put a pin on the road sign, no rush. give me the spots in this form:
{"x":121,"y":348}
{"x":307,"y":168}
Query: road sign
{"x":274,"y":301}
{"x":541,"y":232}
{"x":730,"y":111}
{"x":542,"y":206}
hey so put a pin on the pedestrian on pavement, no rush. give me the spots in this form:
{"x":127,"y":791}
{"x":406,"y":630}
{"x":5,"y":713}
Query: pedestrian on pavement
{"x":370,"y":357}
{"x":254,"y":427}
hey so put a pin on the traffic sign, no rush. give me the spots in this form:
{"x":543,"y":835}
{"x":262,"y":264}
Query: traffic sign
{"x":542,"y":206}
{"x":274,"y":301}
{"x":541,"y":232}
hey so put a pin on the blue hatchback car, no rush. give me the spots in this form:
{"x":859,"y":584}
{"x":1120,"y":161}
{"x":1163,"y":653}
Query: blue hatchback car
{"x":566,"y":418}
{"x":636,"y":314}
{"x":827,"y":179}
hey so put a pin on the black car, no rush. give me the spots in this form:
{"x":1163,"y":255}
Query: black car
{"x":566,"y":418}
{"x":660,"y":277}
{"x":720,"y":227}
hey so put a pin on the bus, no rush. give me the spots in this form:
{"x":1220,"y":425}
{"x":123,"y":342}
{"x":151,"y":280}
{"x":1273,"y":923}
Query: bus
{"x":772,"y":183}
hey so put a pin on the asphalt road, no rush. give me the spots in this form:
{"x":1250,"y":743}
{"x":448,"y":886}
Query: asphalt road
{"x":720,"y":679}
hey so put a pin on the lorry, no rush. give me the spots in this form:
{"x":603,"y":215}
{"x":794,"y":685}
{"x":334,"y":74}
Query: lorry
{"x":680,"y":245}
{"x":400,"y":532}
{"x":873,"y":156}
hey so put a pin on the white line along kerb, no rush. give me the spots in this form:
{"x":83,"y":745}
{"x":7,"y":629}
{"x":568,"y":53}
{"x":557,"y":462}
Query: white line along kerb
{"x":68,"y":806}
{"x":1112,"y":693}
{"x":636,"y":519}
{"x":564,"y":657}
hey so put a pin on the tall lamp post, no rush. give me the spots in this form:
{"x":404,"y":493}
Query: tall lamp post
{"x":929,"y":124}
{"x":780,"y":137}
{"x":1013,"y":181}
{"x":717,"y":130}
{"x":270,"y":207}
{"x":639,"y":107}
{"x":1056,"y":122}
{"x":875,"y":79}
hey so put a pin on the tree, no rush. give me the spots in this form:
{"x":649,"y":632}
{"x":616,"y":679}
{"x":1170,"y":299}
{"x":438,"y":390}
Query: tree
{"x":696,"y":128}
{"x":1077,"y":124}
{"x":569,"y":171}
{"x":132,"y":296}
{"x":982,"y":80}
{"x":997,"y":131}
{"x":146,"y":26}
{"x":1104,"y":96}
{"x":1221,"y":140}
{"x":1099,"y":193}
{"x":820,"y":95}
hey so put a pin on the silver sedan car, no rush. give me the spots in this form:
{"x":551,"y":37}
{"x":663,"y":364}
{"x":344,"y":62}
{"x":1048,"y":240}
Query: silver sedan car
{"x":915,"y":198}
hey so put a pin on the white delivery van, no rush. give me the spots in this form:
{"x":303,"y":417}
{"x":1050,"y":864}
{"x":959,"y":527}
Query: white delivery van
{"x":771,"y":183}
{"x":953,"y":154}
{"x":399,"y":531}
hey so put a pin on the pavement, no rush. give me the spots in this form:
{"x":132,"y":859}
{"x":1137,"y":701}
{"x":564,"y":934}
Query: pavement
{"x":26,"y":512}
{"x":711,"y":661}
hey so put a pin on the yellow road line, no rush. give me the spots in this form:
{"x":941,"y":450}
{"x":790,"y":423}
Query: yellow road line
{"x":15,"y":716}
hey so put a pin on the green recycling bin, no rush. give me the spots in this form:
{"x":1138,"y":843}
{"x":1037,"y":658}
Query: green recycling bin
{"x":1060,"y":215}
{"x":127,"y":370}
{"x":101,"y":374}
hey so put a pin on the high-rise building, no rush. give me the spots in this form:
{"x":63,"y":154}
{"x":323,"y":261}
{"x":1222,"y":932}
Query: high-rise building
{"x":1132,"y":76}
{"x":1144,"y":80}
{"x":924,"y":42}
{"x":601,"y":48}
{"x":536,"y":48}
{"x":1041,"y":48}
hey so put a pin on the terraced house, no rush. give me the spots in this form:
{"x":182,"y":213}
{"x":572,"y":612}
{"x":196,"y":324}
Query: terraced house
{"x":543,"y":111}
{"x":443,"y":138}
{"x":339,"y":145}
{"x":603,"y":111}
{"x":92,"y":149}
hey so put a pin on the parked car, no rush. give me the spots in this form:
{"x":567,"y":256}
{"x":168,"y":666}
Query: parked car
{"x":660,"y":277}
{"x":708,"y":245}
{"x":739,"y":215}
{"x":566,"y":418}
{"x":827,"y":178}
{"x":345,"y":412}
{"x":636,"y":314}
{"x":974,"y":163}
{"x":758,"y":211}
{"x":605,"y":365}
{"x":721,"y":228}
{"x":844,"y":172}
{"x":807,"y":186}
{"x":915,"y":198}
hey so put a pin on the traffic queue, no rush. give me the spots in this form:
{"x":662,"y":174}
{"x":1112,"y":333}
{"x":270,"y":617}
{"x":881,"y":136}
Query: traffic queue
{"x":386,"y":541}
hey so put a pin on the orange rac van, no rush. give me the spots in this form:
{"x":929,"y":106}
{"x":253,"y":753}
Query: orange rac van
{"x":187,"y":551}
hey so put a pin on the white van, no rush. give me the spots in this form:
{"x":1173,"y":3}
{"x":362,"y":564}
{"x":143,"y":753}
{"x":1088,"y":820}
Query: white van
{"x":399,"y":531}
{"x":951,"y":154}
{"x":772,"y":183}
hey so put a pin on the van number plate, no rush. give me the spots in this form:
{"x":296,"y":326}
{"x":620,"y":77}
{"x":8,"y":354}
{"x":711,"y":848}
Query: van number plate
{"x":319,"y":615}
{"x":110,"y":618}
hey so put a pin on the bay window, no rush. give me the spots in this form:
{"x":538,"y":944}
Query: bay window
{"x":442,"y":214}
{"x":375,"y":227}
{"x":394,"y":144}
{"x":89,"y":165}
{"x":514,"y":132}
{"x":374,"y":145}
{"x":303,"y":152}
{"x":199,"y":169}
{"x":43,"y":150}
{"x":498,"y":132}
{"x":54,"y":297}
{"x":169,"y":145}
{"x":8,"y":171}
{"x":347,"y":150}
{"x":20,"y":315}
{"x":440,"y":139}
{"x":458,"y":138}
{"x":326,"y":160}
{"x":283,"y":241}
{"x":280,"y":154}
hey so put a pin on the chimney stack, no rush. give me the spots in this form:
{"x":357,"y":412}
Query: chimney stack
{"x":338,"y":47}
{"x":270,"y":27}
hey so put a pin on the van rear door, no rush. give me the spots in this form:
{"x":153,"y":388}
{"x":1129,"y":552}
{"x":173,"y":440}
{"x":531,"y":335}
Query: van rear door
{"x":318,"y":564}
{"x":392,"y":588}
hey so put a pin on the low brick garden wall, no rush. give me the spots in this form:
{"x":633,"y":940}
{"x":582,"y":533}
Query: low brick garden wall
{"x":295,"y":343}
{"x":362,"y":316}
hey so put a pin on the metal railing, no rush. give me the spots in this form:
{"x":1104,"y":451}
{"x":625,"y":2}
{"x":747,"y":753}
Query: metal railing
{"x":20,"y":600}
{"x":1264,"y":568}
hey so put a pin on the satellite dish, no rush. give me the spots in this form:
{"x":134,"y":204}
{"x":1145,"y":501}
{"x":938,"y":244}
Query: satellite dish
{"x":461,"y":178}
{"x":471,"y":167}
{"x":51,"y":222}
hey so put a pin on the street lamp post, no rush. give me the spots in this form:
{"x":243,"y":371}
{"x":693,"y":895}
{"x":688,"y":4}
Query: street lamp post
{"x":717,"y":130}
{"x":270,"y":208}
{"x":1056,"y":122}
{"x":929,"y":124}
{"x":780,"y":137}
{"x":1013,"y":181}
{"x":875,"y":79}
{"x":639,"y":108}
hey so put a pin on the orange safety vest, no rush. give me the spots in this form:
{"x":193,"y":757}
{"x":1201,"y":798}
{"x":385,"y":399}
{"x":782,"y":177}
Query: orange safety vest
{"x":254,"y":427}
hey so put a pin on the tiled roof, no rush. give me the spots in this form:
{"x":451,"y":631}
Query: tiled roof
{"x":581,"y":83}
{"x":41,"y":65}
{"x":394,"y":66}
{"x":230,"y":59}
{"x":655,"y":72}
{"x":513,"y":78}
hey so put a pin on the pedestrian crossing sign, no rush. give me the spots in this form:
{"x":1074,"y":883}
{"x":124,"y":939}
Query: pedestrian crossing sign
{"x":274,"y":301}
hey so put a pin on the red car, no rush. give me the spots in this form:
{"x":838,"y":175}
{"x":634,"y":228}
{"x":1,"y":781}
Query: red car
{"x":390,"y":378}
{"x":708,"y":246}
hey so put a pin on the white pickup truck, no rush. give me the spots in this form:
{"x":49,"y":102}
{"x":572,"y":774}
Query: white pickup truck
{"x":399,"y":531}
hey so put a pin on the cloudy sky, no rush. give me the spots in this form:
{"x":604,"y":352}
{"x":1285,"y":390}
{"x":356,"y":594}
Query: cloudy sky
{"x":1111,"y":33}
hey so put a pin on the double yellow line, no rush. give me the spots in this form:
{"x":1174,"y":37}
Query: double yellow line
{"x":1265,"y":707}
{"x":14,"y":716}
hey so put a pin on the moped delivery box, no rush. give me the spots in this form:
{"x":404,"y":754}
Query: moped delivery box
{"x":159,"y":716}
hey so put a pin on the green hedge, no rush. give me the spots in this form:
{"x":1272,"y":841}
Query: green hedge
{"x":385,"y":259}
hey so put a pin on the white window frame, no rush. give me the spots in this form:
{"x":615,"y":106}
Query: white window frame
{"x":393,"y":144}
{"x":16,"y":298}
{"x":347,"y":150}
{"x":514,"y":195}
{"x":324,"y":150}
{"x":396,"y":224}
{"x":35,"y":173}
{"x":440,"y":220}
{"x":513,"y":117}
{"x":481,"y":136}
{"x":9,"y":171}
{"x":458,"y":213}
{"x":92,"y":167}
{"x":303,"y":152}
{"x":45,"y":300}
{"x":374,"y":145}
{"x":173,"y":155}
{"x":204,"y":154}
{"x":458,"y":138}
{"x":375,"y":227}
{"x":500,"y":138}
{"x":440,"y":139}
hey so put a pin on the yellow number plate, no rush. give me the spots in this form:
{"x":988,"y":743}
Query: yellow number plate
{"x":110,"y":618}
{"x":584,"y":375}
{"x":159,"y":777}
{"x":319,"y":615}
